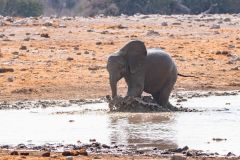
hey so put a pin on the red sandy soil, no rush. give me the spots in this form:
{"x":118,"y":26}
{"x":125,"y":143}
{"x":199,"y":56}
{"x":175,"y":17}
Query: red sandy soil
{"x":43,"y":71}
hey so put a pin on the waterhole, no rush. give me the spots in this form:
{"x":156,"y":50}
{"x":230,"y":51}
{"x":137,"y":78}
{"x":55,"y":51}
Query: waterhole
{"x":215,"y":129}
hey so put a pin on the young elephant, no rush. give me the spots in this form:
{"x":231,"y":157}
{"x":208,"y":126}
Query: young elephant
{"x":152,"y":71}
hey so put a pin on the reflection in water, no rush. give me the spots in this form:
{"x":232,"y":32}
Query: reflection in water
{"x":141,"y":131}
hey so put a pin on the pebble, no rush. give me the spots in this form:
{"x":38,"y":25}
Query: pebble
{"x":178,"y":157}
{"x":23,"y":48}
{"x":215,"y":26}
{"x":152,"y":33}
{"x":46,"y":154}
{"x":10,"y":79}
{"x":164,"y":24}
{"x":14,"y":153}
{"x":70,"y":59}
{"x":45,"y":35}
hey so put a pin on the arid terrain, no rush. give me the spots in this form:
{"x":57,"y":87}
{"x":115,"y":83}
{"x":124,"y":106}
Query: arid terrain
{"x":65,"y":58}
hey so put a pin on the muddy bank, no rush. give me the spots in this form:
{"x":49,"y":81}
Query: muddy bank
{"x":146,"y":104}
{"x":96,"y":148}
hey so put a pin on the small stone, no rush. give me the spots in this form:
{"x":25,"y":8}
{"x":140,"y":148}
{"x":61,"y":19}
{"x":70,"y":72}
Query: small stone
{"x":48,"y":24}
{"x":66,"y":153}
{"x":14,"y":153}
{"x":69,"y":158}
{"x":178,"y":157}
{"x":70,"y":59}
{"x":46,"y":154}
{"x":236,"y":68}
{"x":152,"y":33}
{"x":215,"y":26}
{"x":176,"y":23}
{"x":24,"y":154}
{"x":83,"y":152}
{"x":86,"y":52}
{"x":27,"y":39}
{"x":10,"y":79}
{"x":79,"y":53}
{"x":92,"y":140}
{"x":93,"y":68}
{"x":15,"y":53}
{"x":230,"y":154}
{"x":76,"y":48}
{"x":106,"y":146}
{"x":98,"y":43}
{"x":45,"y":35}
{"x":164,"y":24}
{"x":4,"y":70}
{"x":2,"y":35}
{"x":23,"y":48}
{"x":71,"y":121}
{"x":62,"y":26}
{"x":227,"y":20}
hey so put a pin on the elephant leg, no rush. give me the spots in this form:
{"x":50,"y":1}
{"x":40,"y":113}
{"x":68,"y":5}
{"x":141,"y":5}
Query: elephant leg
{"x":164,"y":94}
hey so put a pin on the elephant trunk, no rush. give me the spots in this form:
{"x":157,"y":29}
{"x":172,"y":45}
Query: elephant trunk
{"x":113,"y":84}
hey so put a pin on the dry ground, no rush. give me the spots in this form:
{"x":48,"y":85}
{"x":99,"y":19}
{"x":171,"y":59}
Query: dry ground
{"x":71,"y":63}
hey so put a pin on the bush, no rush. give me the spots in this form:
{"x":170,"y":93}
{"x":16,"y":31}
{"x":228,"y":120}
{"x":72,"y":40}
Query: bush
{"x":24,"y":8}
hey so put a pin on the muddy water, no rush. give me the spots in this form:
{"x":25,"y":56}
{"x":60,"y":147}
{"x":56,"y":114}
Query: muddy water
{"x":220,"y":119}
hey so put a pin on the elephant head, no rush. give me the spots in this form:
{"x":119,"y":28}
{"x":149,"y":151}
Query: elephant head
{"x":128,"y":62}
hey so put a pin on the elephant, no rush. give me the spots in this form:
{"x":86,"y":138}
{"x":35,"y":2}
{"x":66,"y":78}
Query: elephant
{"x":145,"y":70}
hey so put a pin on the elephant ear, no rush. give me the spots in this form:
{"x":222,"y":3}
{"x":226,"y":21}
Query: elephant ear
{"x":135,"y":53}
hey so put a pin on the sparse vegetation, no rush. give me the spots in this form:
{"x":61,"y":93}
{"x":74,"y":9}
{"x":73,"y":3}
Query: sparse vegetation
{"x":115,"y":7}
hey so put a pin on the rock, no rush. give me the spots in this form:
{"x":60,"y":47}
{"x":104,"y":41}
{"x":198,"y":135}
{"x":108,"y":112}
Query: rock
{"x":215,"y":26}
{"x":10,"y":79}
{"x":237,"y":68}
{"x":86,"y":52}
{"x":230,"y":154}
{"x":4,"y":70}
{"x":45,"y":35}
{"x":70,"y":59}
{"x":176,"y":23}
{"x":164,"y":24}
{"x":15,"y":53}
{"x":27,"y":39}
{"x":92,"y":140}
{"x":24,"y":154}
{"x":67,"y":153}
{"x":46,"y":154}
{"x":48,"y":23}
{"x":227,"y":20}
{"x":106,"y":146}
{"x":23,"y":91}
{"x":93,"y":68}
{"x":69,"y":158}
{"x":2,"y":35}
{"x":62,"y":25}
{"x":152,"y":33}
{"x":98,"y":43}
{"x":83,"y":152}
{"x":14,"y":153}
{"x":23,"y":48}
{"x":178,"y":157}
{"x":74,"y":153}
{"x":219,"y":139}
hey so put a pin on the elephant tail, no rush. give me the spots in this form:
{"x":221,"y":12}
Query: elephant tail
{"x":182,"y":75}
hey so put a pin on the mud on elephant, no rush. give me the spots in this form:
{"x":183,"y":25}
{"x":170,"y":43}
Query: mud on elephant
{"x":152,"y":71}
